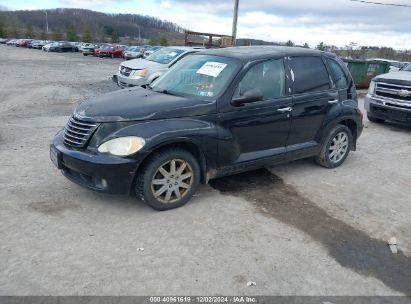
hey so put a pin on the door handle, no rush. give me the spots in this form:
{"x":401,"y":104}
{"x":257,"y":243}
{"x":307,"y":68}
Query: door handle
{"x":332,"y":101}
{"x":283,"y":110}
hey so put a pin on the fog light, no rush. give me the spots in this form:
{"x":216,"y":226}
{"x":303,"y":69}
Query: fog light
{"x":101,"y":183}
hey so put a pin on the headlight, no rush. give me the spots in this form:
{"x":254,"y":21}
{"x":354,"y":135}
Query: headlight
{"x":141,"y":73}
{"x":122,"y":146}
{"x":371,"y":89}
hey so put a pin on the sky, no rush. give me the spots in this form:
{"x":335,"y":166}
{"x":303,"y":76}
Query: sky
{"x":336,"y":22}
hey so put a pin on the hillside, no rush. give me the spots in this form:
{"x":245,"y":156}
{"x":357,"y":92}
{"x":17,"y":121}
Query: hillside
{"x":69,"y":23}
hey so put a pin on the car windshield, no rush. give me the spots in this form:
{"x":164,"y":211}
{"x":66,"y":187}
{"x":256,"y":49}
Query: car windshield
{"x":407,"y":68}
{"x":202,"y":76}
{"x":165,"y":56}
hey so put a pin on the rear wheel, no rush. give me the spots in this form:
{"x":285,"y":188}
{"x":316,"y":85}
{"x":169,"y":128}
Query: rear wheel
{"x":335,"y":148}
{"x":169,"y":179}
{"x":375,"y":119}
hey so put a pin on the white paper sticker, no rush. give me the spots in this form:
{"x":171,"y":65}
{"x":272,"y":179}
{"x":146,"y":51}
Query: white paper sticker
{"x":172,"y":54}
{"x":211,"y":68}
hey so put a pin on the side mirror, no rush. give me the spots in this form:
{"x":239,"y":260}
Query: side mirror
{"x":249,"y":96}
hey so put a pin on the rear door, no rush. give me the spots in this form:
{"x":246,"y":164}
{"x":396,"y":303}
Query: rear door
{"x":313,"y":95}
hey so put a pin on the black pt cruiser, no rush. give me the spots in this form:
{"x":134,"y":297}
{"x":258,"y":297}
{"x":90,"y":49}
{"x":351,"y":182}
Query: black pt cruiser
{"x":214,"y":113}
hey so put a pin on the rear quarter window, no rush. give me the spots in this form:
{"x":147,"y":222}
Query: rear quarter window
{"x":338,"y":74}
{"x":309,"y":74}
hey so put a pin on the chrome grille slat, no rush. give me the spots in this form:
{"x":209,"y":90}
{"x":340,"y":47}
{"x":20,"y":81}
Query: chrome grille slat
{"x":394,"y":85}
{"x":77,"y":132}
{"x":68,"y":139}
{"x":396,"y":92}
{"x":82,"y":123}
{"x":73,"y":136}
{"x":84,"y":133}
{"x":73,"y":126}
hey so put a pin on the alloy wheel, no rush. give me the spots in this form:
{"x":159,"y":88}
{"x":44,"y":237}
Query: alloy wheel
{"x":172,"y":181}
{"x":338,"y":147}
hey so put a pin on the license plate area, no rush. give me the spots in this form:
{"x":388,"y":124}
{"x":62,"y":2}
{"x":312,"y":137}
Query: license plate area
{"x":55,"y":156}
{"x":398,"y":115}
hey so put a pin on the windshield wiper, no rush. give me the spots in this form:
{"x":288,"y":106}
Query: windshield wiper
{"x":162,"y":92}
{"x":166,"y":92}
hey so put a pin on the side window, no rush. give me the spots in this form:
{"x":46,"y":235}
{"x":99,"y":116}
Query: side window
{"x":268,"y":77}
{"x":338,"y":74}
{"x":309,"y":74}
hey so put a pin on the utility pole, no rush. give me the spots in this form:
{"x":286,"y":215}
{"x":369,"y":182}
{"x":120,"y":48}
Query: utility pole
{"x":139,"y":34}
{"x":47,"y":22}
{"x":235,"y":16}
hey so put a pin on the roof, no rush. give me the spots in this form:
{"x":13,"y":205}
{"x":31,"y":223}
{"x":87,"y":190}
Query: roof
{"x":250,"y":53}
{"x":185,"y":48}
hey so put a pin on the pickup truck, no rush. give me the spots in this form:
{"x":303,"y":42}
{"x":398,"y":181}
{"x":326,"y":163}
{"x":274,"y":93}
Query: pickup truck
{"x":389,"y":97}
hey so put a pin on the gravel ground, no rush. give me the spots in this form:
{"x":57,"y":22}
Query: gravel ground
{"x":294,"y":229}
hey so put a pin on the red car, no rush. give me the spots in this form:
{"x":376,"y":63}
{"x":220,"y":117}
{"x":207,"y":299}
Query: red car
{"x":109,"y":50}
{"x":23,"y":42}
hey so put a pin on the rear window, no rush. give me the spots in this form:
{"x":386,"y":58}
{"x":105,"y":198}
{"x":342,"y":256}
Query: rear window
{"x":309,"y":74}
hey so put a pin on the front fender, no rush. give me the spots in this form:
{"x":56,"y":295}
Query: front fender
{"x":198,"y":131}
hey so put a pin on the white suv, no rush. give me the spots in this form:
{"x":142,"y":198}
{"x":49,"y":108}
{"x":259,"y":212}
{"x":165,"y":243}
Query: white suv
{"x":141,"y":71}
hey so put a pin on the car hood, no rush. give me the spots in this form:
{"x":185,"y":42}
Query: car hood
{"x":141,"y":104}
{"x":400,"y":77}
{"x":139,"y":64}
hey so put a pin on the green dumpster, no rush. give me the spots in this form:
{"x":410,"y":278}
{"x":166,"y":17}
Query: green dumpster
{"x":364,"y":70}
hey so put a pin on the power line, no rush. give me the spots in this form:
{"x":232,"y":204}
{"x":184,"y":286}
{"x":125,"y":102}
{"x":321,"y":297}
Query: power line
{"x":381,"y":3}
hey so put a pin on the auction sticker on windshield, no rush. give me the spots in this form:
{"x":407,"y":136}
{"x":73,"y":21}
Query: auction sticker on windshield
{"x":211,"y":68}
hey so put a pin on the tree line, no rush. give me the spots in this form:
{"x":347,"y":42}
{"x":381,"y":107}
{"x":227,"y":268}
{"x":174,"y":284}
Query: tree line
{"x":85,"y":25}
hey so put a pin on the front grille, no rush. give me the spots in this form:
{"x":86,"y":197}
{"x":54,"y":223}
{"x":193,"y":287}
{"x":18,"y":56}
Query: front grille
{"x":77,"y":132}
{"x":394,"y":91}
{"x":125,"y":71}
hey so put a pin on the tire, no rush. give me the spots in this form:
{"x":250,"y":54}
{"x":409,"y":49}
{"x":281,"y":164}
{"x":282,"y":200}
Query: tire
{"x":84,"y":54}
{"x":375,"y":119}
{"x":339,"y":139}
{"x":163,"y":194}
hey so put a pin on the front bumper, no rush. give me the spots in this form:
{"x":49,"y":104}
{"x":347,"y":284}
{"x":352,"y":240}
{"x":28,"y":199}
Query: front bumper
{"x":388,"y":109}
{"x":88,"y":52}
{"x":92,"y":170}
{"x":125,"y":82}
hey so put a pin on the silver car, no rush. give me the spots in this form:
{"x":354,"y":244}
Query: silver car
{"x":133,"y":52}
{"x":140,"y":71}
{"x":151,"y":51}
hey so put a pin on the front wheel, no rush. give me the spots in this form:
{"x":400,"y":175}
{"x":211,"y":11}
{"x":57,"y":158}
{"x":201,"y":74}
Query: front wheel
{"x":169,"y":179}
{"x":335,"y":148}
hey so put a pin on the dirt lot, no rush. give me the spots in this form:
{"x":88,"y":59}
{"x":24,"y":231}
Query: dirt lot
{"x":295,"y":229}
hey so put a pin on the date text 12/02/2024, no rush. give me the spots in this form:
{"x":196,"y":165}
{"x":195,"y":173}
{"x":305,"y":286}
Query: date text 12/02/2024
{"x":203,"y":299}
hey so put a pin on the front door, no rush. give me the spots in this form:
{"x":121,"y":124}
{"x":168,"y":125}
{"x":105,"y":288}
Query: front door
{"x":258,"y":130}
